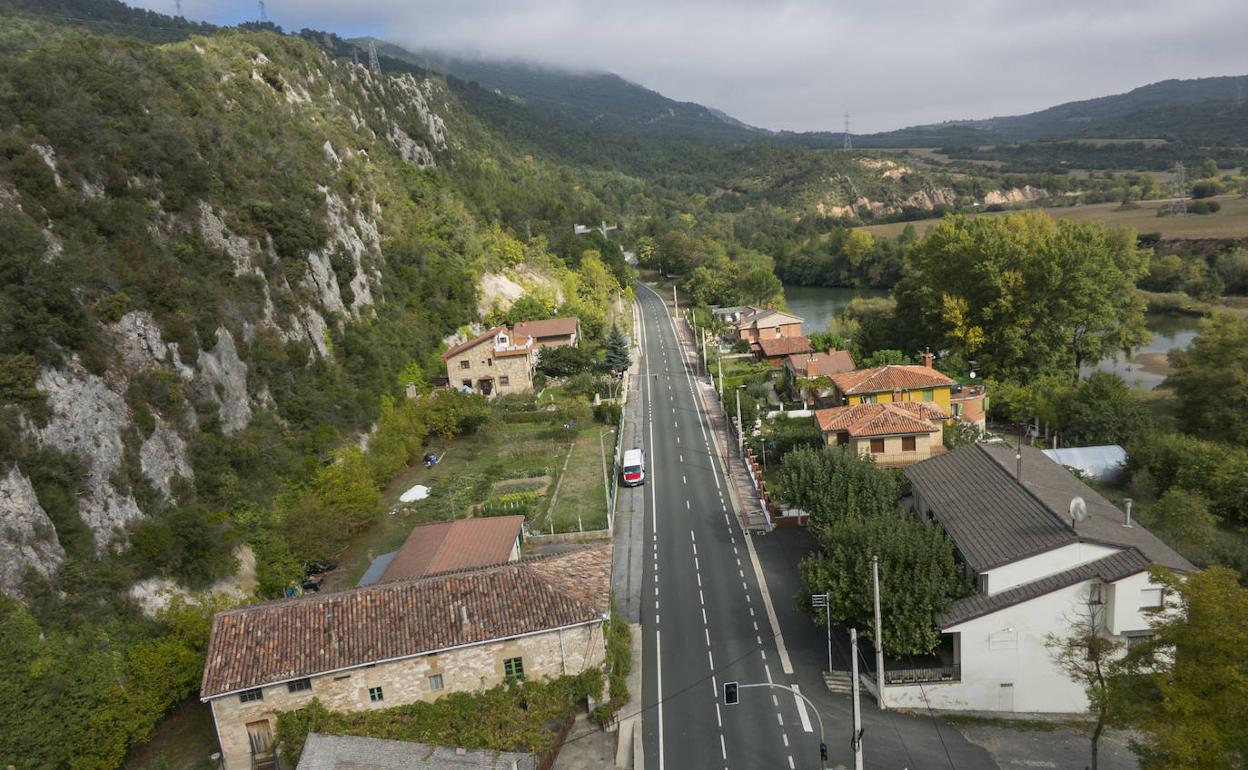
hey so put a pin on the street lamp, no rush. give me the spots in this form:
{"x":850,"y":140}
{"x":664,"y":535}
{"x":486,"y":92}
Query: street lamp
{"x":606,"y":485}
{"x":740,"y":425}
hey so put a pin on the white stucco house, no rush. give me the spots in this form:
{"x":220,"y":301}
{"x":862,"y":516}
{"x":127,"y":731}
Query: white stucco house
{"x":1037,"y":569}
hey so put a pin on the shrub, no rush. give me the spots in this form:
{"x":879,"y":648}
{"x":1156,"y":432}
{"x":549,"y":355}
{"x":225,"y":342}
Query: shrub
{"x":608,"y":413}
{"x":112,"y":307}
{"x":1204,"y":207}
{"x":564,"y":361}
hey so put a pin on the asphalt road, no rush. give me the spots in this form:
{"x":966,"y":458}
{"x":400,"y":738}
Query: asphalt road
{"x":705,"y":622}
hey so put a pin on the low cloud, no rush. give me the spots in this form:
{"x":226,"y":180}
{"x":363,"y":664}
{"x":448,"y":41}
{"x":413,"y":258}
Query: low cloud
{"x":800,"y":64}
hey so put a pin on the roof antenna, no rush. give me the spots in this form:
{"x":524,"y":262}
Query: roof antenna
{"x":1078,"y":511}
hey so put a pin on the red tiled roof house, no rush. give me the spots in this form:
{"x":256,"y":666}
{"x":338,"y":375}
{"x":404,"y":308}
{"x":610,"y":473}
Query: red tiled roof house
{"x":810,"y":367}
{"x":895,"y":434}
{"x":492,"y":363}
{"x":448,"y":546}
{"x":552,"y":332}
{"x":774,"y":350}
{"x":404,"y":641}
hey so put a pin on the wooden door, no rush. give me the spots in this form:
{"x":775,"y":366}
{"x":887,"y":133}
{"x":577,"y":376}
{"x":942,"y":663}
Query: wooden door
{"x":260,"y":734}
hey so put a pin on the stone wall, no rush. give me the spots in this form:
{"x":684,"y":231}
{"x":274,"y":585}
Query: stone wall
{"x":546,"y":655}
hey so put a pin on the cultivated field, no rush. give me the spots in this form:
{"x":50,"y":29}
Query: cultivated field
{"x":1230,"y":222}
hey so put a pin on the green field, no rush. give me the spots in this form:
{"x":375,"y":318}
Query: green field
{"x":527,"y":451}
{"x":1230,"y":222}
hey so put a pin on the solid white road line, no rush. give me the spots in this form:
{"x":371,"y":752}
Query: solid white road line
{"x":658,"y":667}
{"x":801,"y":710}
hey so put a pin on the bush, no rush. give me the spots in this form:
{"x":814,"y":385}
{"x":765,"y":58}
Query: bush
{"x":1204,"y":207}
{"x":608,"y":413}
{"x":741,"y":346}
{"x":564,"y":361}
{"x":1205,"y":188}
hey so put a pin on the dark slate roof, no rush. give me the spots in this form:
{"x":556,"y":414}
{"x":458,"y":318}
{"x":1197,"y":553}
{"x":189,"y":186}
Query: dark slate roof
{"x":310,"y":635}
{"x":352,"y":752}
{"x":1116,"y":566}
{"x":993,"y":519}
{"x":1054,"y":486}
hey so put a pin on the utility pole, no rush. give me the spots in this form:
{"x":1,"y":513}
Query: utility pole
{"x":855,"y":741}
{"x":719,"y":361}
{"x":849,"y":143}
{"x":264,"y":16}
{"x":823,"y":601}
{"x":740,"y":427}
{"x":879,"y":639}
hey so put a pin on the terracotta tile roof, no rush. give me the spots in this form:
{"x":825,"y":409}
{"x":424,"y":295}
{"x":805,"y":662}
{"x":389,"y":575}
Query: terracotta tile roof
{"x":551,"y":327}
{"x":822,"y":364}
{"x":862,"y":420}
{"x":521,"y":344}
{"x":783,"y":346}
{"x":454,"y":545}
{"x":768,"y":317}
{"x":1108,"y":569}
{"x":889,"y":378}
{"x":310,"y":635}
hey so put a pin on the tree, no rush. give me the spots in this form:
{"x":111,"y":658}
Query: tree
{"x":1088,"y":658}
{"x":564,"y":361}
{"x":1186,"y":688}
{"x":1211,"y":379}
{"x":1186,"y":518}
{"x":918,"y":576}
{"x":832,"y":483}
{"x":884,"y":357}
{"x":760,"y":286}
{"x":1102,"y":410}
{"x":1023,"y":294}
{"x":617,"y":357}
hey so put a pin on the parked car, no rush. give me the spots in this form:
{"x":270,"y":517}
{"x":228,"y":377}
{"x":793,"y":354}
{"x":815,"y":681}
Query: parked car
{"x":634,"y":467}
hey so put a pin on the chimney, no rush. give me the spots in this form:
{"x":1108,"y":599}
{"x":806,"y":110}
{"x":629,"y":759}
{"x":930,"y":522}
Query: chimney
{"x":928,"y":357}
{"x":463,"y":612}
{"x":1126,"y":501}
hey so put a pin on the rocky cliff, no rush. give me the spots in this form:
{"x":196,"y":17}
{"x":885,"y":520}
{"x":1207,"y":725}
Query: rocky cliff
{"x":261,"y":184}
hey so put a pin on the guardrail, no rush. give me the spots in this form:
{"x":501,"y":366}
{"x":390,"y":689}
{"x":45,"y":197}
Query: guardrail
{"x":926,"y":675}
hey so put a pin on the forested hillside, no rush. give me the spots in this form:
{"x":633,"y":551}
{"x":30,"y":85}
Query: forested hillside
{"x":220,"y":259}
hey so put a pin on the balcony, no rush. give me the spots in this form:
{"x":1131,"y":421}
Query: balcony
{"x":924,"y":675}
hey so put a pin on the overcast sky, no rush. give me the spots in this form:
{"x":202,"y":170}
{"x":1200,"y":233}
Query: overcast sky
{"x":800,"y":64}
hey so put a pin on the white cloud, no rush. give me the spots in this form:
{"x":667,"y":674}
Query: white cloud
{"x":799,"y":64}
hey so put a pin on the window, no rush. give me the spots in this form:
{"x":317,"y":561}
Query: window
{"x":248,"y":696}
{"x":465,"y":364}
{"x":489,"y":362}
{"x":299,"y":685}
{"x":466,"y":383}
{"x":928,"y":395}
{"x":1135,"y":640}
{"x":957,"y":410}
{"x":513,"y":669}
{"x":1149,"y":598}
{"x":435,"y":682}
{"x":842,"y":438}
{"x":877,"y":446}
{"x":1094,"y":594}
{"x":504,"y":380}
{"x":907,"y":443}
{"x":869,"y":398}
{"x":376,"y":695}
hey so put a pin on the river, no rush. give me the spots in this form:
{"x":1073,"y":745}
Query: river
{"x":1145,"y":369}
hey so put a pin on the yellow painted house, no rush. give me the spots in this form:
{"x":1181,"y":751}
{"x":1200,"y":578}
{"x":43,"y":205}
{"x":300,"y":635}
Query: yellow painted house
{"x":894,"y":383}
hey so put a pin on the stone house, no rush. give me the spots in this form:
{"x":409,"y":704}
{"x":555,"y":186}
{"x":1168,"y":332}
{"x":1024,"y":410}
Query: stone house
{"x":767,"y":324}
{"x":400,"y":642}
{"x":493,"y":363}
{"x":894,"y":434}
{"x":1044,"y":550}
{"x":551,"y":332}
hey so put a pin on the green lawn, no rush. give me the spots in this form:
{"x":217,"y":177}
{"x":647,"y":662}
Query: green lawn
{"x":582,"y":501}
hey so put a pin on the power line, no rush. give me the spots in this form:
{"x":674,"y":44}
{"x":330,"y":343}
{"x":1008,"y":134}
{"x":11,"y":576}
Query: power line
{"x":374,"y":64}
{"x":849,"y":143}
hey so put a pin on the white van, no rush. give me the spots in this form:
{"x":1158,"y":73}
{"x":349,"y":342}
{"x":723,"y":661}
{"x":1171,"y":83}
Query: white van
{"x":634,"y":467}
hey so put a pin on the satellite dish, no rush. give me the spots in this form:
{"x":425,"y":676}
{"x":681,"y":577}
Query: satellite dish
{"x":1078,"y":510}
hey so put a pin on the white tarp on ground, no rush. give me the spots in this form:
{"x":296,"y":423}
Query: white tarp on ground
{"x":1099,"y":462}
{"x":418,"y":492}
